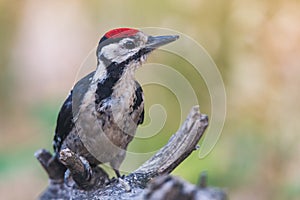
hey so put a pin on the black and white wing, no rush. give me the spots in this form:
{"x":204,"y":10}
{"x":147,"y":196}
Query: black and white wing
{"x":64,"y":123}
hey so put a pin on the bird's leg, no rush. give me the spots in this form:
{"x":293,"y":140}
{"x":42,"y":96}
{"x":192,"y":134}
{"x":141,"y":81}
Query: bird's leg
{"x":116,"y":163}
{"x":117,"y":172}
{"x":113,"y":179}
{"x":121,"y":180}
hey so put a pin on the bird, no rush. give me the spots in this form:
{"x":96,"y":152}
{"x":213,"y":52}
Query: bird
{"x":100,"y":116}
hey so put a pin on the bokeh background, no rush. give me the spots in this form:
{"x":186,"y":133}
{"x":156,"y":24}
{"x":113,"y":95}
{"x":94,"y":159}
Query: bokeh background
{"x":255,"y":44}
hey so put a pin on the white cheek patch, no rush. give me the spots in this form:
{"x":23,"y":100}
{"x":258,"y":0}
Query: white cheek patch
{"x":116,"y":53}
{"x":123,"y":57}
{"x":109,"y":51}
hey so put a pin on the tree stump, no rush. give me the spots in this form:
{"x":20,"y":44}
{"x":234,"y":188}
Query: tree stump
{"x":149,"y":181}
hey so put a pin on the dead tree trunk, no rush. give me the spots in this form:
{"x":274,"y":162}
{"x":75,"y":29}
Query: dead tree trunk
{"x":149,"y":181}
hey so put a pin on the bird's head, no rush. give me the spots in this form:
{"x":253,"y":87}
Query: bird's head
{"x":127,"y":45}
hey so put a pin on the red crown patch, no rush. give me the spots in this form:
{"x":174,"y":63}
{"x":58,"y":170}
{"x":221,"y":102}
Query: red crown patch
{"x":121,"y":32}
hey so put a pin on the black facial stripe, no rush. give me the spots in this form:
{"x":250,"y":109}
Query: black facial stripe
{"x":114,"y":73}
{"x":138,"y":55}
{"x":105,"y":87}
{"x":105,"y":61}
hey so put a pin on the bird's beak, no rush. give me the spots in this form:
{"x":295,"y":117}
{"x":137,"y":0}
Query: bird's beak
{"x":154,"y":42}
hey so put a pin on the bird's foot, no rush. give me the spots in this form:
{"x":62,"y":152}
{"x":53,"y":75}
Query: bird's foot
{"x":121,"y":180}
{"x":112,"y":180}
{"x":115,"y":179}
{"x":125,"y":184}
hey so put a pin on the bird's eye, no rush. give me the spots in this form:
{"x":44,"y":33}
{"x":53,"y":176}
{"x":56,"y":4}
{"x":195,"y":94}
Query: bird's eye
{"x":129,"y":45}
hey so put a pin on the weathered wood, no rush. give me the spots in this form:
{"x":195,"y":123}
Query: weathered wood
{"x":169,"y":187}
{"x":52,"y":166}
{"x":180,"y":145}
{"x":138,"y":184}
{"x":81,"y":172}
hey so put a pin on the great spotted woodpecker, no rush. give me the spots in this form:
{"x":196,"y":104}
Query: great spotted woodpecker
{"x":100,"y":116}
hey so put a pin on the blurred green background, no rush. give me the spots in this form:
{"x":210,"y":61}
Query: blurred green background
{"x":254,"y":43}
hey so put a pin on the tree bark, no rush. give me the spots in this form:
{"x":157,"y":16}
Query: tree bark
{"x":149,"y":181}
